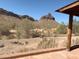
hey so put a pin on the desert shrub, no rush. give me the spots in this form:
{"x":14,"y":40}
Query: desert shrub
{"x":61,"y":29}
{"x":23,"y":50}
{"x":43,"y":43}
{"x":47,"y":43}
{"x":6,"y":25}
{"x":35,"y":34}
{"x":26,"y":49}
{"x":11,"y":36}
{"x":75,"y":41}
{"x":76,"y":27}
{"x":23,"y":29}
{"x":4,"y":37}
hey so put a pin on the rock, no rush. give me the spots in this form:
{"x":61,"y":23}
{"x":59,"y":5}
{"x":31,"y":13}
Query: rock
{"x":1,"y":45}
{"x":17,"y":42}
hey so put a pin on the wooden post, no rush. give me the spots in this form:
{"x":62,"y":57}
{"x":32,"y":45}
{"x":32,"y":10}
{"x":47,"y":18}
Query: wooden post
{"x":69,"y":31}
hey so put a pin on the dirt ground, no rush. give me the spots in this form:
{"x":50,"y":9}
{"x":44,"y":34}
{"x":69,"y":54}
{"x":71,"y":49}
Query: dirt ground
{"x":15,"y":46}
{"x":74,"y":54}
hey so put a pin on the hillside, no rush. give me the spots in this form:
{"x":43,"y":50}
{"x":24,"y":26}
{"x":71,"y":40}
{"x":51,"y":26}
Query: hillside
{"x":4,"y":14}
{"x":8,"y":13}
{"x":23,"y":24}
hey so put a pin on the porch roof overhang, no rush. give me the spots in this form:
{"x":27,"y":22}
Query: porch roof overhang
{"x":72,"y":9}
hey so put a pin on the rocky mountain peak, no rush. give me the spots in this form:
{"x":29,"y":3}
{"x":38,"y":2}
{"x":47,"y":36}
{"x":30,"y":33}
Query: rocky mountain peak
{"x":47,"y":17}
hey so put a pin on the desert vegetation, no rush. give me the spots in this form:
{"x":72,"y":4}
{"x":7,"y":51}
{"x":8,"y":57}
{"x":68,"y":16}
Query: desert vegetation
{"x":13,"y":26}
{"x":20,"y":27}
{"x":26,"y":33}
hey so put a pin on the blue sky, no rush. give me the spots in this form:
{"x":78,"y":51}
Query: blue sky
{"x":36,"y":8}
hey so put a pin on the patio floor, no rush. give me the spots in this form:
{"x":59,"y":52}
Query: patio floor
{"x":64,"y":54}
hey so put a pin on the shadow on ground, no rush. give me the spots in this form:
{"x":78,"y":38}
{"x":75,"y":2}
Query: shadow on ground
{"x":74,"y":47}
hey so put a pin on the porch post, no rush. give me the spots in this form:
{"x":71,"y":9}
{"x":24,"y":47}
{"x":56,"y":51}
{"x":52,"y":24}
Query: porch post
{"x":69,"y":31}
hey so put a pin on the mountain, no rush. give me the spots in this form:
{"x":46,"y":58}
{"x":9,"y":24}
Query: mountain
{"x":47,"y":17}
{"x":45,"y":21}
{"x":10,"y":15}
{"x":27,"y":17}
{"x":10,"y":20}
{"x":48,"y":21}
